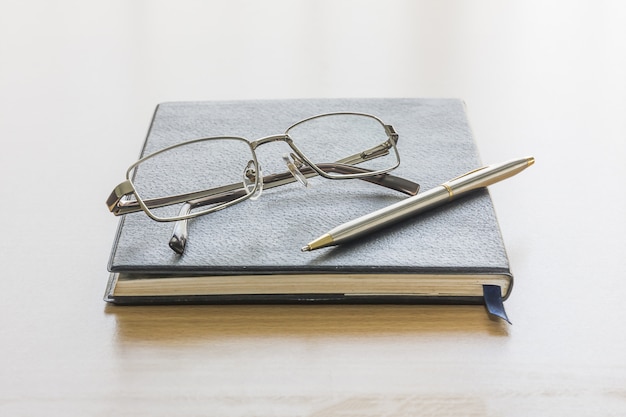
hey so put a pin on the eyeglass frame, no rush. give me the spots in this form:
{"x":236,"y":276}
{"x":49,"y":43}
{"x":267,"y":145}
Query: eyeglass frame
{"x":119,"y":203}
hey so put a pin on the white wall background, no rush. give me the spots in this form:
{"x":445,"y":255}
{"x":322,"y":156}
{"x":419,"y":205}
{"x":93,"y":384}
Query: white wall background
{"x":532,"y":66}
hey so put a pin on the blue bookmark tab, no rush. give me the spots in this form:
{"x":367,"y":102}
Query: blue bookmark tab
{"x":493,"y":301}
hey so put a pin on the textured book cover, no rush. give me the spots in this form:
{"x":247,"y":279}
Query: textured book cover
{"x":262,"y":238}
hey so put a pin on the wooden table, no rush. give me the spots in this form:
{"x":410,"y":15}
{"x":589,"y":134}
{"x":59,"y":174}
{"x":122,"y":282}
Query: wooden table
{"x":78,"y":82}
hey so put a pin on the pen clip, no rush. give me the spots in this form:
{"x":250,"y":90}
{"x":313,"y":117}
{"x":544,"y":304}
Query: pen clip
{"x":466,"y":174}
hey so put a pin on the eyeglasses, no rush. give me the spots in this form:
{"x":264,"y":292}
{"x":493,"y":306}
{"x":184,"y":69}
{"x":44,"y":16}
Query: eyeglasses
{"x":201,"y":176}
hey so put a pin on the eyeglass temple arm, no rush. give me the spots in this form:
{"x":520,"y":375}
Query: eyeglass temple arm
{"x":270,"y":181}
{"x":275,"y":180}
{"x":386,"y":180}
{"x":118,"y":206}
{"x":178,"y":239}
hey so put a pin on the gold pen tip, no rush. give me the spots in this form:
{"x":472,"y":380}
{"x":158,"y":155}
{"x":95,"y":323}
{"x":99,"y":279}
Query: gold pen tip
{"x":530,"y":160}
{"x":320,"y":242}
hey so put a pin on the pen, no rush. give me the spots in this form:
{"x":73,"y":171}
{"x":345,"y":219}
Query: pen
{"x":448,"y":191}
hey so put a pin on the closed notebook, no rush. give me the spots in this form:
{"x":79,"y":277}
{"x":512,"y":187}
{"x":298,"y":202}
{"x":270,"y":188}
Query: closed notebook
{"x":250,"y":252}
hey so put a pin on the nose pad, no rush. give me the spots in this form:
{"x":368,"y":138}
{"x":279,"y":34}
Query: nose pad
{"x":250,"y":175}
{"x":292,"y":165}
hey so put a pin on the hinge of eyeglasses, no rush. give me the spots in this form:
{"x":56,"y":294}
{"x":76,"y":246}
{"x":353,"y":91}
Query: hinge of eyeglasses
{"x":118,"y":193}
{"x":392,"y":134}
{"x":375,"y":152}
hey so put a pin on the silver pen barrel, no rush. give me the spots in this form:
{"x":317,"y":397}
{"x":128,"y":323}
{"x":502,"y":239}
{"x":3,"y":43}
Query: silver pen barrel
{"x":478,"y":178}
{"x":391,"y":214}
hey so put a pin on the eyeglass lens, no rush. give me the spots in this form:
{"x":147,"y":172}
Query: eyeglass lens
{"x":217,"y":162}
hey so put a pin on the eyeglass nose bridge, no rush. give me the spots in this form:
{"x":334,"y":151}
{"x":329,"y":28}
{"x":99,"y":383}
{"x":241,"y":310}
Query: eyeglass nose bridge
{"x":274,"y":138}
{"x":294,"y":162}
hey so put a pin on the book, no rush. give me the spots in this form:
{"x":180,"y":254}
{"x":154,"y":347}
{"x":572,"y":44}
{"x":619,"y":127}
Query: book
{"x":250,"y":252}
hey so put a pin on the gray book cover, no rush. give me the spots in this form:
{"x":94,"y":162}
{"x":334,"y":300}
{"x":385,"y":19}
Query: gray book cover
{"x":265,"y":236}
